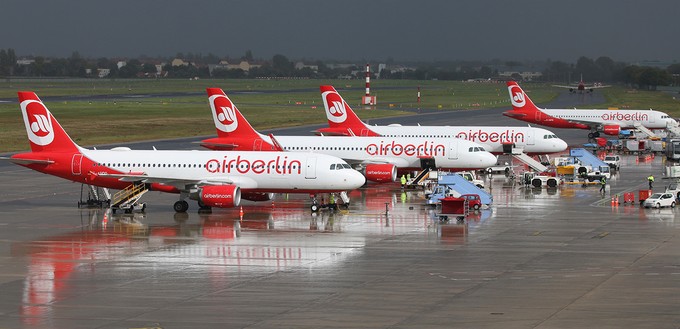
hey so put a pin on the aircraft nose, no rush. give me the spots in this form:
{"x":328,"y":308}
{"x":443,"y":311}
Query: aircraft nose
{"x":487,"y":160}
{"x":560,"y":145}
{"x":356,"y":180}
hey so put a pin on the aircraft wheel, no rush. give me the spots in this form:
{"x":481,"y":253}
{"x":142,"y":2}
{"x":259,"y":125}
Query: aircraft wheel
{"x":181,"y":206}
{"x":315,"y":208}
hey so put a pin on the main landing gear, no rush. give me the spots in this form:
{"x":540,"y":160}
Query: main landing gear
{"x":593,"y":134}
{"x":181,"y":206}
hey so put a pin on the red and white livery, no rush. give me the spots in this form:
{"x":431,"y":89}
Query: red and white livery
{"x":343,"y":121}
{"x":380,"y":156}
{"x":610,"y":122}
{"x":213,"y":178}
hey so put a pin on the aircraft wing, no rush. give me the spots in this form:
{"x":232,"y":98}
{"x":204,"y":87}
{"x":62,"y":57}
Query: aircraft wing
{"x":563,"y":86}
{"x":184,"y":183}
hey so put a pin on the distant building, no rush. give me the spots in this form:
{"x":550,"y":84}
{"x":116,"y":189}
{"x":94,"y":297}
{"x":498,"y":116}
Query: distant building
{"x":526,"y":75}
{"x":103,"y":73}
{"x":301,"y":65}
{"x":25,"y":61}
{"x":179,"y":62}
{"x":225,"y":65}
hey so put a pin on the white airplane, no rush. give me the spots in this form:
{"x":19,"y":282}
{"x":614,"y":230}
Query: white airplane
{"x":379,"y":156}
{"x":611,"y":122}
{"x":582,"y":86}
{"x":498,"y":140}
{"x":213,"y":178}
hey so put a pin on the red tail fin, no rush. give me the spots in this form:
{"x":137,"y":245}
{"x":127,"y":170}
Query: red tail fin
{"x":45,"y":134}
{"x":232,"y":127}
{"x":341,"y":118}
{"x":520,"y":101}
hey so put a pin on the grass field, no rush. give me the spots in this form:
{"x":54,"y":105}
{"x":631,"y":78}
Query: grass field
{"x":291,"y":103}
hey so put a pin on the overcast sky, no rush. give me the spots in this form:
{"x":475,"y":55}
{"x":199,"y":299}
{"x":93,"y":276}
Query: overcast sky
{"x":624,"y":30}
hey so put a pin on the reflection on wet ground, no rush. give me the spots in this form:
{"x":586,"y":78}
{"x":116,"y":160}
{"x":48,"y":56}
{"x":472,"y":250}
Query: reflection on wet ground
{"x":83,"y":256}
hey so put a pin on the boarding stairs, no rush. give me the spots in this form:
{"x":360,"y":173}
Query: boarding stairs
{"x":96,"y":196}
{"x":674,"y":128}
{"x":127,"y":198}
{"x":422,"y":175}
{"x":645,"y":130}
{"x":344,"y":197}
{"x":531,"y":162}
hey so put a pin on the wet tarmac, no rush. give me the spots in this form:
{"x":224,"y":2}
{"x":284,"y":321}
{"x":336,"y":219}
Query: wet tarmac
{"x":538,"y":258}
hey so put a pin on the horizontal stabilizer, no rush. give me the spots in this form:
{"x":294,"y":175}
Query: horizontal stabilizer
{"x":28,"y":161}
{"x":218,"y":146}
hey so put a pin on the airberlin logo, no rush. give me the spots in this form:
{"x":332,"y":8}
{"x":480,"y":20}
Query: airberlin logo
{"x":224,"y":113}
{"x":506,"y":136}
{"x":38,"y":122}
{"x":516,"y":96}
{"x":636,"y":116}
{"x":335,"y":107}
{"x":281,"y":165}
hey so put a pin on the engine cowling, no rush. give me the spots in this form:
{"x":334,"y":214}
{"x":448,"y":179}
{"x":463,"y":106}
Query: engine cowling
{"x":255,"y":196}
{"x":221,"y":196}
{"x":381,"y":173}
{"x":612,"y":130}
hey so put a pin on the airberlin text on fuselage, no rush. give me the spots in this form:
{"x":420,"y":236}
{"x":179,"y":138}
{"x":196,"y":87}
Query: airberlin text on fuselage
{"x":637,"y":116}
{"x":507,"y":136}
{"x":280,"y":166}
{"x":394,"y":148}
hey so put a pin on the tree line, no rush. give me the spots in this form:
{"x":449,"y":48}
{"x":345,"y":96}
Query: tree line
{"x":602,"y":69}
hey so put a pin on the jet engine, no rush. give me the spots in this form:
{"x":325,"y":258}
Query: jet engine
{"x":221,"y":196}
{"x":612,"y":130}
{"x":255,"y":196}
{"x":380,"y":173}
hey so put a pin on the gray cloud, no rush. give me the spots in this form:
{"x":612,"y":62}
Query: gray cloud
{"x":349,"y":29}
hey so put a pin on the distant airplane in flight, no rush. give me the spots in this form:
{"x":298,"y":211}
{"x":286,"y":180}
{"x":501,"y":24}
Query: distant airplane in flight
{"x":213,"y":178}
{"x":496,"y":139}
{"x":582,"y":87}
{"x":610,"y":122}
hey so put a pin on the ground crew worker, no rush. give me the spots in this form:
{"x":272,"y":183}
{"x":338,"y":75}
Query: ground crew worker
{"x":603,"y":183}
{"x":403,"y":181}
{"x":650,"y":179}
{"x":331,"y":201}
{"x":408,"y":177}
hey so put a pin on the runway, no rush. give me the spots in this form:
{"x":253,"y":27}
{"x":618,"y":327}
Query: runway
{"x":537,"y":258}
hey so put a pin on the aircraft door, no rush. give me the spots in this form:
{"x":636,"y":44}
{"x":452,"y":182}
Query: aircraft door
{"x":76,"y":164}
{"x":539,"y":116}
{"x":257,"y":145}
{"x":310,"y":170}
{"x":453,"y":150}
{"x":652,"y":116}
